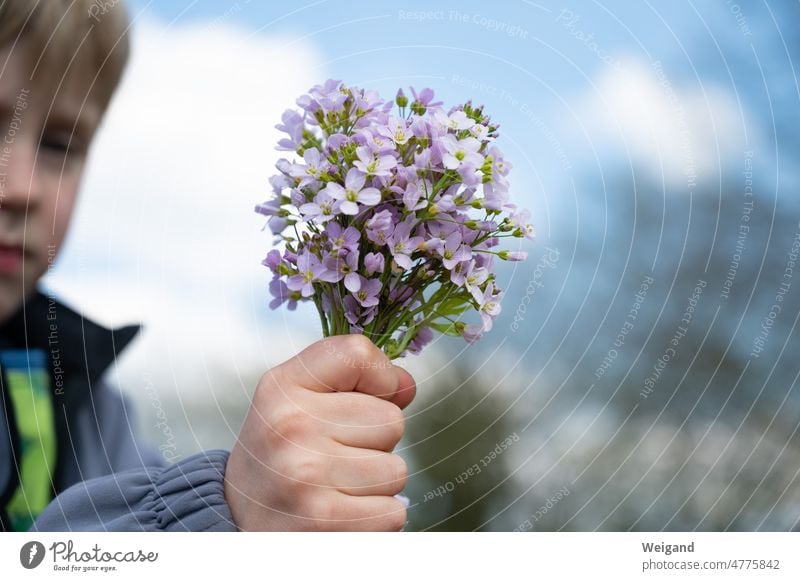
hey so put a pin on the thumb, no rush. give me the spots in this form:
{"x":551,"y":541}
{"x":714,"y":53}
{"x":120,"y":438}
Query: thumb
{"x":406,"y":388}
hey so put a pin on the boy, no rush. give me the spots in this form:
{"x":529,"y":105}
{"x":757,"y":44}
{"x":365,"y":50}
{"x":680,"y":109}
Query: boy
{"x":314,"y":452}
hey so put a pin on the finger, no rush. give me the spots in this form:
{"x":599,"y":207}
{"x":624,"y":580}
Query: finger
{"x":406,"y":388}
{"x":343,"y":363}
{"x":362,"y":421}
{"x":362,"y":472}
{"x":366,"y":513}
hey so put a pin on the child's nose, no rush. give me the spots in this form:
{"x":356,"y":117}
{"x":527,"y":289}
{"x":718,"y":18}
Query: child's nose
{"x":20,"y":185}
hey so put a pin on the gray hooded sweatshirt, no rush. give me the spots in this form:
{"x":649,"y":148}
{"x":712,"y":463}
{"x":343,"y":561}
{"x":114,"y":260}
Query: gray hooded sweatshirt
{"x":103,"y":479}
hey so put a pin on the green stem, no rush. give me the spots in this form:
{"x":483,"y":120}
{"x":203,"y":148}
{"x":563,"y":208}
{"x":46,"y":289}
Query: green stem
{"x":322,"y":318}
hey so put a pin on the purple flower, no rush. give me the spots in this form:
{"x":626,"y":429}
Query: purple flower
{"x":310,"y":270}
{"x":500,"y":166}
{"x":475,"y":277}
{"x":322,"y":209}
{"x":366,"y":100}
{"x":443,"y":203}
{"x":344,"y":266}
{"x":281,"y":294}
{"x":456,"y":121}
{"x":495,"y":196}
{"x":355,"y":314}
{"x":423,"y":336}
{"x":401,"y":294}
{"x":342,"y":239}
{"x":402,"y":244}
{"x":484,"y":260}
{"x":367,"y":294}
{"x":438,"y":231}
{"x":375,"y":141}
{"x":310,"y":173}
{"x":472,"y":333}
{"x":277,"y":225}
{"x":270,"y":207}
{"x":519,"y":220}
{"x":457,"y":152}
{"x":353,"y":193}
{"x":379,"y":228}
{"x":422,"y":160}
{"x":329,"y":97}
{"x":479,"y":131}
{"x":397,"y":130}
{"x":280,"y":181}
{"x":273,"y":261}
{"x":293,"y":126}
{"x":470,"y":176}
{"x":337,"y":141}
{"x":458,"y":276}
{"x":373,"y":262}
{"x":488,"y":305}
{"x":454,"y":251}
{"x":425,"y":97}
{"x":414,"y":196}
{"x":372,"y":165}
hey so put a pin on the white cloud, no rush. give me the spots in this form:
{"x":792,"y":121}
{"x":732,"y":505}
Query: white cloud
{"x":165,"y":232}
{"x":672,"y":129}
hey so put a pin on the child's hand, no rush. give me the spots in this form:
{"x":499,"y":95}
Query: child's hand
{"x":314,"y":453}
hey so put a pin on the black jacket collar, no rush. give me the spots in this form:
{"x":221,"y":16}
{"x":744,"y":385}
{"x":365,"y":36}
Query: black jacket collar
{"x":79,"y":349}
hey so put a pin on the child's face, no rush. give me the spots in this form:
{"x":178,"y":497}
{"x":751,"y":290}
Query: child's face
{"x":42,"y":155}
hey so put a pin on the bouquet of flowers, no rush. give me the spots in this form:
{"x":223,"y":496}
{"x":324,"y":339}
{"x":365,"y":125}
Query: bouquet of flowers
{"x":391,"y":222}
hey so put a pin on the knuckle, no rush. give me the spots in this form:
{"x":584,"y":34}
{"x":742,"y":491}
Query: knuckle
{"x":394,"y":415}
{"x":306,"y":470}
{"x":359,"y":348}
{"x":322,"y":513}
{"x":393,"y":422}
{"x":263,"y":389}
{"x":399,"y":470}
{"x":291,"y":424}
{"x":269,"y":388}
{"x":396,"y":520}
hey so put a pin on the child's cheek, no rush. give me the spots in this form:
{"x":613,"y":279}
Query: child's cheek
{"x":60,"y":208}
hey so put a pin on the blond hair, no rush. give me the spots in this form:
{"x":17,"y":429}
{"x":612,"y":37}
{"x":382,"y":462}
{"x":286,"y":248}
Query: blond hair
{"x":69,"y":37}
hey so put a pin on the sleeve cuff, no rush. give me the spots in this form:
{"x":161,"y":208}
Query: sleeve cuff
{"x":190,"y":495}
{"x":186,"y":496}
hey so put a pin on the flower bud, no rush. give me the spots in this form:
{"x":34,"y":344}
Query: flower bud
{"x":401,"y":98}
{"x":514,"y":256}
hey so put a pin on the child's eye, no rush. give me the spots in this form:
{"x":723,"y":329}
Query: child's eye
{"x":62,"y":145}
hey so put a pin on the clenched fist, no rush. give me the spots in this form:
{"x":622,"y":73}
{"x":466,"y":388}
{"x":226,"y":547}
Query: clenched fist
{"x":315,"y":450}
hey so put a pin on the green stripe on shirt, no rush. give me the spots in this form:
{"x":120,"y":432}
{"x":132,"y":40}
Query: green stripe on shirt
{"x":28,"y":385}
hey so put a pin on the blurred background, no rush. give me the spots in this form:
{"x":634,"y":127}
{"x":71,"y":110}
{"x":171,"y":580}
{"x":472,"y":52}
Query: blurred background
{"x":643,"y":374}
